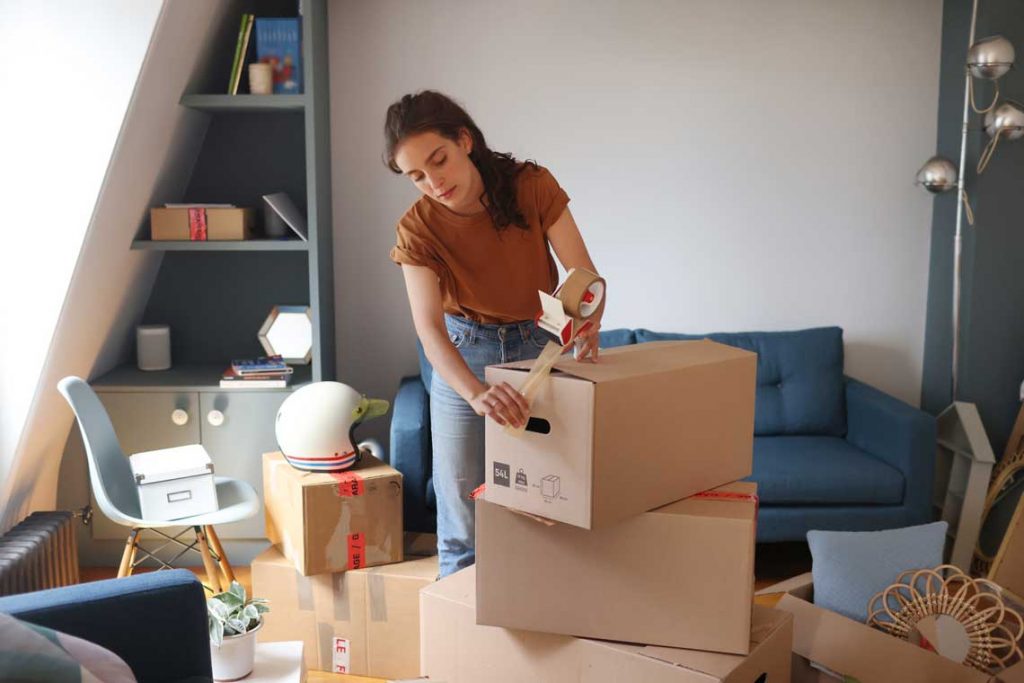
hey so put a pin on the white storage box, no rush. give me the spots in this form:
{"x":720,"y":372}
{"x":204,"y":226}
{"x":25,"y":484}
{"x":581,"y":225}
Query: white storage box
{"x":174,"y":482}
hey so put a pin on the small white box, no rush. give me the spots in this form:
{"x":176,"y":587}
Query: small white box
{"x":174,"y":482}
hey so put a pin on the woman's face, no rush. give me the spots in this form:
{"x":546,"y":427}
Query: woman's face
{"x":441,"y":169}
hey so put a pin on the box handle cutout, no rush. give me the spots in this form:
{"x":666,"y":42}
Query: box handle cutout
{"x":179,"y":496}
{"x":763,"y":678}
{"x":538,"y":425}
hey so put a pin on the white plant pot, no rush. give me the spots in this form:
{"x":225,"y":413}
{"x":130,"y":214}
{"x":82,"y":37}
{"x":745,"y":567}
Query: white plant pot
{"x":235,"y":656}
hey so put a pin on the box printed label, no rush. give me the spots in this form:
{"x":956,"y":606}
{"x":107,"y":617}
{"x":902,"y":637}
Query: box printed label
{"x":502,"y":476}
{"x":341,"y":657}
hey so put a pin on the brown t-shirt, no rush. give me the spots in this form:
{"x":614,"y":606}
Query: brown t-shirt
{"x":486,"y":275}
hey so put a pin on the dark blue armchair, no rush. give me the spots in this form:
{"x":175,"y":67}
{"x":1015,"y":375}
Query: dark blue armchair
{"x":155,"y":622}
{"x":830,"y":452}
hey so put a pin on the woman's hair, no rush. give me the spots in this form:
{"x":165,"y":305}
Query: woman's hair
{"x":431,"y":111}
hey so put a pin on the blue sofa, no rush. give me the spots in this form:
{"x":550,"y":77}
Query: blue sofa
{"x":155,"y":622}
{"x":830,"y":452}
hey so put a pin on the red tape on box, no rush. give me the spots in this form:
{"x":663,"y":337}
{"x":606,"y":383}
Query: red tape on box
{"x":349,"y":484}
{"x":356,"y":551}
{"x":732,"y":495}
{"x":197,"y":224}
{"x":478,"y":491}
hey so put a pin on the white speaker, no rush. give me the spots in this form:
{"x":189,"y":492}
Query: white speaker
{"x":153,"y":347}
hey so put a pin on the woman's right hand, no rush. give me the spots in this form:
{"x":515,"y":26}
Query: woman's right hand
{"x":503,"y":404}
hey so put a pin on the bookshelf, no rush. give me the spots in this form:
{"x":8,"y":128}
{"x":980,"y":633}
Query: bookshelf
{"x":215,"y":295}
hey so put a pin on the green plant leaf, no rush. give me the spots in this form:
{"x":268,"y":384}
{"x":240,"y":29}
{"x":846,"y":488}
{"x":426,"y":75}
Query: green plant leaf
{"x":216,"y":632}
{"x":250,"y":613}
{"x":235,"y":626}
{"x":262,"y":607}
{"x":217,"y":609}
{"x":238,"y":591}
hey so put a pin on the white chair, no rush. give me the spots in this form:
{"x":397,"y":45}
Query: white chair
{"x":117,"y":494}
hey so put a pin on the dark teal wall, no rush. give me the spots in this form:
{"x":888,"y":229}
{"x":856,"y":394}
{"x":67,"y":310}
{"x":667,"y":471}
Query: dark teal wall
{"x":992,"y":314}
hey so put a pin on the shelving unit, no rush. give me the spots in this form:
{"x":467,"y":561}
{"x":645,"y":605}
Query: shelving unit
{"x":963,"y":468}
{"x":215,"y":295}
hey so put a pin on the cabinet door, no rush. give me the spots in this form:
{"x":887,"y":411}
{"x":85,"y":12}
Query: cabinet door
{"x":237,"y":429}
{"x":146,"y":422}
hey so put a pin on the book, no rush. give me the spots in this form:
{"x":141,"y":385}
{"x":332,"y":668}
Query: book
{"x":282,"y":205}
{"x":231,"y":380}
{"x":241,"y":49}
{"x":199,"y":206}
{"x":279,"y":43}
{"x":261,"y":365}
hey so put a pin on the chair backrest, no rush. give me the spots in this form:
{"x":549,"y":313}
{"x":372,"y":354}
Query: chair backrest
{"x":109,"y":471}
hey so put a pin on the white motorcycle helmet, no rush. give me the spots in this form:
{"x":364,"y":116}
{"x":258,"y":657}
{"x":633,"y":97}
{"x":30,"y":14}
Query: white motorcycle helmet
{"x":316,"y":425}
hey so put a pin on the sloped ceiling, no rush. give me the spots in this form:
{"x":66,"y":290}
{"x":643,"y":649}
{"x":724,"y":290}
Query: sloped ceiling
{"x":151,"y":162}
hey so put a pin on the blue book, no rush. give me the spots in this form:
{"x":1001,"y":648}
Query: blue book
{"x":279,"y":43}
{"x":262,"y":365}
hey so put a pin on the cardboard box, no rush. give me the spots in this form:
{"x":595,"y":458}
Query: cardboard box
{"x":221,"y":224}
{"x":363,"y":622}
{"x":850,"y":648}
{"x":457,"y":650}
{"x":679,"y":576}
{"x":174,"y":482}
{"x":646,"y":425}
{"x":333,"y":522}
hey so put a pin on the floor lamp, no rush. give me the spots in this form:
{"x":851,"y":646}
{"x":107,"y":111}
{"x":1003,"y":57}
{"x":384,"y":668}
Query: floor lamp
{"x":964,"y":458}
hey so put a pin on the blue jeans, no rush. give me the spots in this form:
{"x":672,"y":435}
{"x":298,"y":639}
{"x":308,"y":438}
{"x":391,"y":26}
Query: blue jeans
{"x":457,"y":432}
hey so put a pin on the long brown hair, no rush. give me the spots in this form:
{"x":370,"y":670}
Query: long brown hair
{"x":430,"y":110}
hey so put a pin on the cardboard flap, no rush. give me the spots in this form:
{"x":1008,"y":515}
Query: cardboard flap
{"x":635,"y":360}
{"x":853,"y":649}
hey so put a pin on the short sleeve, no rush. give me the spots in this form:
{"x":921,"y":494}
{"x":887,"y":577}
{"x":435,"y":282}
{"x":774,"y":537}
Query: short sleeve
{"x":412,"y":249}
{"x":551,"y":199}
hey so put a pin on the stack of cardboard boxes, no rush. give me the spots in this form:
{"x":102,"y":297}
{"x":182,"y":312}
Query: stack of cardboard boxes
{"x":337,"y":576}
{"x":614,"y":541}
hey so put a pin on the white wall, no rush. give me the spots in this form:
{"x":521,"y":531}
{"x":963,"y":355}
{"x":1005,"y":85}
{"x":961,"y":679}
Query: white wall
{"x":734,"y":165}
{"x":68,"y":75}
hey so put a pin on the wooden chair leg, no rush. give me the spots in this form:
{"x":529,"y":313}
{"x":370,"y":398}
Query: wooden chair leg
{"x":129,"y":553}
{"x":222,"y":558}
{"x":212,"y":574}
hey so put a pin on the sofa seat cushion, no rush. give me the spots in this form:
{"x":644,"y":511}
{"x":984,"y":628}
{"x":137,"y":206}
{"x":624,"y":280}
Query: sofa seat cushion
{"x":815,"y":470}
{"x":800,"y":385}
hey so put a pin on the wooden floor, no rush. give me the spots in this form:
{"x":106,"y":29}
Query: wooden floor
{"x":774,"y":563}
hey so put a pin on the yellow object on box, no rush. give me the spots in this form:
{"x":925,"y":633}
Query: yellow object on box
{"x":201,"y":224}
{"x":364,"y":622}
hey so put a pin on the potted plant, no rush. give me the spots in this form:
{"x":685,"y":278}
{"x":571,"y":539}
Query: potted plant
{"x":233,"y":621}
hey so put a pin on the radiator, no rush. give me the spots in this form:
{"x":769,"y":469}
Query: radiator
{"x":40,"y":552}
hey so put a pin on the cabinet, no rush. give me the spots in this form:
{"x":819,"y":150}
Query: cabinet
{"x":216,"y":295}
{"x":235,"y":427}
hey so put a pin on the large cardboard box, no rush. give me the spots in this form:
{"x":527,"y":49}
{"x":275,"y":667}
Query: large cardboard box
{"x":363,"y":622}
{"x":221,"y":224}
{"x":645,"y":425}
{"x":681,"y":575}
{"x":457,"y":650}
{"x":849,"y":648}
{"x":333,"y":522}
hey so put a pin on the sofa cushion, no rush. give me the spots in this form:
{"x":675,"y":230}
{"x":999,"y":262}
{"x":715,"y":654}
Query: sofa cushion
{"x":799,"y":378}
{"x":850,"y":567}
{"x":822,"y":470}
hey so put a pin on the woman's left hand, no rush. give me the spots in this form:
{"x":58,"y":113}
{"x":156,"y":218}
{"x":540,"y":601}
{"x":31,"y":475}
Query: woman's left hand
{"x":586,"y":342}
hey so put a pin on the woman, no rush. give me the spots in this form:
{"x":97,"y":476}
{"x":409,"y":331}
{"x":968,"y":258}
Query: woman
{"x":474,"y":251}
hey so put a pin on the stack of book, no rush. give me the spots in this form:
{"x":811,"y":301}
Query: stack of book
{"x":269,"y":372}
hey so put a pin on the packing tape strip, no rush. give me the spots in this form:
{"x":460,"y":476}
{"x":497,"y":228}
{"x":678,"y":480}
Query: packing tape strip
{"x":350,"y":484}
{"x":356,"y":551}
{"x":378,"y":596}
{"x":734,"y":496}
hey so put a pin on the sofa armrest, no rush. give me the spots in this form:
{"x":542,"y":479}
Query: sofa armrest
{"x":411,"y":452}
{"x":155,"y":622}
{"x":898,"y":434}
